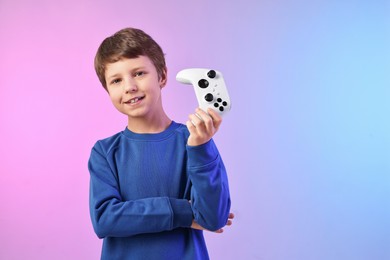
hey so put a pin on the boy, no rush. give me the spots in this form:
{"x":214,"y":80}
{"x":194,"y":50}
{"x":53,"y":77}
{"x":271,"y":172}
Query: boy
{"x":156,"y":185}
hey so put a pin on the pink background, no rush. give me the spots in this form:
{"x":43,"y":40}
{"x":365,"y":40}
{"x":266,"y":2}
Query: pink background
{"x":306,"y":143}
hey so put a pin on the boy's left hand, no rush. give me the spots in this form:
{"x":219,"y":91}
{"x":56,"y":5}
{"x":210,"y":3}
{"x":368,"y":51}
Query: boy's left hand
{"x":202,"y":126}
{"x":228,"y":223}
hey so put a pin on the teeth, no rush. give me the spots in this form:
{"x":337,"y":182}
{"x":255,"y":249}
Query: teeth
{"x":133,"y":100}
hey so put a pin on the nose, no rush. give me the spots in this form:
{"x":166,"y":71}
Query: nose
{"x":130,"y":86}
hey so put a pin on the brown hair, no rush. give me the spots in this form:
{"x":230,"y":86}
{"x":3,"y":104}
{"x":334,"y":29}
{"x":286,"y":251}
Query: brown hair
{"x":128,"y":43}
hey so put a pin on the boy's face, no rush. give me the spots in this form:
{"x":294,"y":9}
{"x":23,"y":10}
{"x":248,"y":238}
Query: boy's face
{"x":134,"y":87}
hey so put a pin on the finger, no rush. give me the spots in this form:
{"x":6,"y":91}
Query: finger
{"x":197,"y":122}
{"x":198,"y":115}
{"x":191,"y":127}
{"x":216,"y":117}
{"x":229,"y":222}
{"x":219,"y":231}
{"x":207,"y":119}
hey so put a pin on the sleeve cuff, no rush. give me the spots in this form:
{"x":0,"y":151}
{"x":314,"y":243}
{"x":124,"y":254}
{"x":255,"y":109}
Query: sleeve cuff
{"x":182,"y":213}
{"x":202,"y":154}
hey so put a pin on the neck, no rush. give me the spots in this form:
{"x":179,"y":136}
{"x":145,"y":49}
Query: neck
{"x":156,"y":124}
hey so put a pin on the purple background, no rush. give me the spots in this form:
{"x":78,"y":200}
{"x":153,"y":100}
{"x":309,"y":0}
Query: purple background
{"x":306,"y":144}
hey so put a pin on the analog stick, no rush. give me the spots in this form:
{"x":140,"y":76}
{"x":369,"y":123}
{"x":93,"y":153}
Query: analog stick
{"x":209,"y":97}
{"x":203,"y":83}
{"x":211,"y":74}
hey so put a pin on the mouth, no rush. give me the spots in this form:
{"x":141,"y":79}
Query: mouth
{"x":134,"y":100}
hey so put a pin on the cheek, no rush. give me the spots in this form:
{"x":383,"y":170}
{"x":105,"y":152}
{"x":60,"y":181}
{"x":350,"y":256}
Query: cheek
{"x":115,"y":96}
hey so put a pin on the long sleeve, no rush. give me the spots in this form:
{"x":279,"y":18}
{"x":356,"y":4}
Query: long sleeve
{"x":113,"y":217}
{"x":210,"y":196}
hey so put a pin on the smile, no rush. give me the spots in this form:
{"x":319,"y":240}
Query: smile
{"x":134,"y":100}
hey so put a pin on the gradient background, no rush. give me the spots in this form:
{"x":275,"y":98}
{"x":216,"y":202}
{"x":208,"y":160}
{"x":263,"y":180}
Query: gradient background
{"x":306,"y":144}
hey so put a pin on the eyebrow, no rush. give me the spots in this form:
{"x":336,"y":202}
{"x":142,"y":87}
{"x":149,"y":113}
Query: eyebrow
{"x":132,"y":71}
{"x":113,"y":76}
{"x":138,"y":68}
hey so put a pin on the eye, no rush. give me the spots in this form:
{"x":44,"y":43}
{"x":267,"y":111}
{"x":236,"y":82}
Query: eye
{"x":116,"y":81}
{"x":139,"y":73}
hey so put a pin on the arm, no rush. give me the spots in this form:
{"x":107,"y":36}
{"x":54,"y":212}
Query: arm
{"x":111,"y":216}
{"x":210,"y":190}
{"x":228,"y":223}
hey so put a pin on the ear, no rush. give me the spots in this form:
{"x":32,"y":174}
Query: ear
{"x":164,"y":78}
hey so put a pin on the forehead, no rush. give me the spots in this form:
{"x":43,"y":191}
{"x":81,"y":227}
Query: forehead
{"x":125,"y":65}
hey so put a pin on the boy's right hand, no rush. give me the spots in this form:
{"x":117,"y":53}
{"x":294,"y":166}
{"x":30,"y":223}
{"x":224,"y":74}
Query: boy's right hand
{"x":228,"y":223}
{"x":202,"y":126}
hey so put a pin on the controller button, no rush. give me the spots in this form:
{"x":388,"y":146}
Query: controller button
{"x":221,"y":109}
{"x":209,"y":97}
{"x":219,"y":100}
{"x":224,"y":103}
{"x":211,"y":74}
{"x":216,"y":104}
{"x":203,"y":83}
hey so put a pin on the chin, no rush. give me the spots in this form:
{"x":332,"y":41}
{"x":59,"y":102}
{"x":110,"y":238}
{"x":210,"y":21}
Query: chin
{"x":135,"y":114}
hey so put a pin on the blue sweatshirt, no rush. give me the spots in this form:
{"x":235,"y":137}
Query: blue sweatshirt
{"x":145,"y":190}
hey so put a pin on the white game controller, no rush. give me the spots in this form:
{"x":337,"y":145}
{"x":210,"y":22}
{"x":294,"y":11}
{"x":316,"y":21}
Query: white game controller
{"x":210,"y":88}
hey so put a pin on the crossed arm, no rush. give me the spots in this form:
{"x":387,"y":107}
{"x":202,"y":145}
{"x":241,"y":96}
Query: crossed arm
{"x":202,"y":127}
{"x":112,"y":216}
